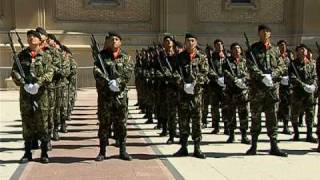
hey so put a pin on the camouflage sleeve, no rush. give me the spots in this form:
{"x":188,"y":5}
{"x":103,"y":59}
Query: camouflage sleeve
{"x":47,"y":76}
{"x":314,"y":77}
{"x":126,"y":73}
{"x":66,"y":67}
{"x":203,"y":70}
{"x":279,"y":70}
{"x":73,"y":66}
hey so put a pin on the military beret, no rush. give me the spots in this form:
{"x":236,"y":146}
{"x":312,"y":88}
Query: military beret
{"x":302,"y":46}
{"x":114,"y":34}
{"x":34,"y":33}
{"x":234,"y":45}
{"x":171,"y":37}
{"x":189,"y":35}
{"x":282,"y":41}
{"x":217,"y":40}
{"x":41,"y":31}
{"x":264,"y":27}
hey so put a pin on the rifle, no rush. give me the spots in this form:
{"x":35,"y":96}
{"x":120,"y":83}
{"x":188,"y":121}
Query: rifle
{"x":15,"y":57}
{"x":19,"y":40}
{"x":23,"y":75}
{"x":97,"y":56}
{"x":253,"y":59}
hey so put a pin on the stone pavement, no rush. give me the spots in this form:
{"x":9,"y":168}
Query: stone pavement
{"x":73,"y":156}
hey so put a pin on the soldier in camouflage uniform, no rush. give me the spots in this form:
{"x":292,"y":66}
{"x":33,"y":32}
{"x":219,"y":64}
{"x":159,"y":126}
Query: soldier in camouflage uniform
{"x":112,"y":94}
{"x":193,"y":69}
{"x":62,"y":70}
{"x":72,"y":79}
{"x":303,"y":82}
{"x":236,"y":92}
{"x":265,"y":71}
{"x":34,"y":95}
{"x":217,"y":84}
{"x":284,"y":107}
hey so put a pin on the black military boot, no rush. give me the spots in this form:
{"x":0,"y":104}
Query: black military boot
{"x":27,"y":152}
{"x":164,"y":128}
{"x":216,"y":128}
{"x":63,"y":128}
{"x":296,"y":132}
{"x":244,"y":137}
{"x":231,"y":136}
{"x":44,"y":152}
{"x":197,"y":152}
{"x":171,"y":138}
{"x":286,"y":127}
{"x":35,"y":143}
{"x":55,"y":135}
{"x":226,"y":128}
{"x":183,"y":151}
{"x":102,"y":153}
{"x":123,"y":153}
{"x":310,"y":138}
{"x":253,"y":148}
{"x":275,"y":149}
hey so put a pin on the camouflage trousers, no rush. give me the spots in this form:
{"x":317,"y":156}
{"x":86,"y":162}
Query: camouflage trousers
{"x":284,"y":106}
{"x":34,"y":121}
{"x":171,"y":109}
{"x":300,"y":104}
{"x":237,"y":102}
{"x":263,"y":102}
{"x":217,"y":102}
{"x":190,"y":110}
{"x":61,"y":106}
{"x":72,"y":91}
{"x":51,"y":102}
{"x":111,"y":112}
{"x":206,"y":101}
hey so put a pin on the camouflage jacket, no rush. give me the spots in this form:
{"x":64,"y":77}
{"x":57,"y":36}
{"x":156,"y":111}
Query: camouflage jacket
{"x":306,"y":75}
{"x":119,"y":69}
{"x":215,"y":69}
{"x":234,"y":70}
{"x":193,"y":70}
{"x":267,"y":63}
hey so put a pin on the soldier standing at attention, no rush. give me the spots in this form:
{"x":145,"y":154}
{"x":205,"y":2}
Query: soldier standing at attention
{"x":265,"y":71}
{"x":34,"y":95}
{"x":303,"y":82}
{"x":284,"y":107}
{"x":112,"y":94}
{"x":193,"y":67}
{"x":236,"y":92}
{"x":218,"y":86}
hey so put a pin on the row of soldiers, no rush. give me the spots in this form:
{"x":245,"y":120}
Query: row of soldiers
{"x":46,"y":73}
{"x":174,"y":81}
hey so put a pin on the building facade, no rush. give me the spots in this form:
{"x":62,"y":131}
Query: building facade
{"x":142,"y":22}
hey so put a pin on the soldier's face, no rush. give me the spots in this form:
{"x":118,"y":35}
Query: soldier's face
{"x":302,"y":53}
{"x":115,"y":42}
{"x":191,"y":43}
{"x":264,"y":35}
{"x":236,"y":51}
{"x":218,"y":46}
{"x":283,"y":47}
{"x":309,"y":55}
{"x":33,"y":40}
{"x":51,"y":42}
{"x":168,"y":43}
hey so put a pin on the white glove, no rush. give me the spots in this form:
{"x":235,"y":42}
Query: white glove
{"x":240,"y":83}
{"x":221,"y":82}
{"x":34,"y":89}
{"x":28,"y":88}
{"x":188,"y":88}
{"x":285,"y":80}
{"x":309,"y":88}
{"x":113,"y":85}
{"x":267,"y":80}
